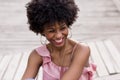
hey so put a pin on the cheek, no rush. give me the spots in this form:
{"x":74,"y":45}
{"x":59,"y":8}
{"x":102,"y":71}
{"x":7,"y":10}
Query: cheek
{"x":49,"y":36}
{"x":66,"y":33}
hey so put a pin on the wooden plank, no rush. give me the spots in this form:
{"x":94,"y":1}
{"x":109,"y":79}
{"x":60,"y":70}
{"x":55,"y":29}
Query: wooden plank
{"x":116,"y":43}
{"x":115,"y":54}
{"x":9,"y":75}
{"x":4,"y":64}
{"x":106,"y":57}
{"x":1,"y":58}
{"x":117,"y":3}
{"x":101,"y":69}
{"x":22,"y":66}
{"x":109,"y":77}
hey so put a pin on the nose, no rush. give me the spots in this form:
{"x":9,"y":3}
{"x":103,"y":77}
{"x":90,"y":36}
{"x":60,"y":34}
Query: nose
{"x":58,"y":35}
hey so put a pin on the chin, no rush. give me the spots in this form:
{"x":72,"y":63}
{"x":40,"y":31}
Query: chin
{"x":59,"y":46}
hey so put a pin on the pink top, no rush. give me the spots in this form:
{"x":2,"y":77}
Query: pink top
{"x":51,"y":71}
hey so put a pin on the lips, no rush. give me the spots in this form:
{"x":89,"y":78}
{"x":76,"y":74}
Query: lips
{"x":58,"y":42}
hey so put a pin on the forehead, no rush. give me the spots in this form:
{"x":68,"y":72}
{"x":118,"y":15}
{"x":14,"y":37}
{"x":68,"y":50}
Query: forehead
{"x":54,"y":25}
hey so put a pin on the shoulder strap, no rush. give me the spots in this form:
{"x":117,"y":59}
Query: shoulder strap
{"x":73,"y":50}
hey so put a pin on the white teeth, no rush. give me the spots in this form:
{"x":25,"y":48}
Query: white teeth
{"x":58,"y":40}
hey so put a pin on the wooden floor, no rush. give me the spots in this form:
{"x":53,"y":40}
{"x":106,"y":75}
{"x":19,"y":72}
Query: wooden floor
{"x":98,"y":25}
{"x":106,"y":56}
{"x":103,"y":53}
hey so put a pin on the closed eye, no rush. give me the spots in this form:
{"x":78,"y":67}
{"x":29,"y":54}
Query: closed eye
{"x":63,"y":28}
{"x":51,"y":31}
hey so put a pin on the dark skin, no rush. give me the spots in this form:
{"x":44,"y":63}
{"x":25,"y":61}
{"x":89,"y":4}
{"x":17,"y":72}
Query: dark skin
{"x":60,"y":53}
{"x":34,"y":62}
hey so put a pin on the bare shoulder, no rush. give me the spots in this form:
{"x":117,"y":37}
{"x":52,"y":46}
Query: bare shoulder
{"x":81,"y":54}
{"x":35,"y":57}
{"x":82,"y":48}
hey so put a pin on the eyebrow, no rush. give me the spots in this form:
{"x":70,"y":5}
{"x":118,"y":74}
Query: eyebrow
{"x":49,"y":28}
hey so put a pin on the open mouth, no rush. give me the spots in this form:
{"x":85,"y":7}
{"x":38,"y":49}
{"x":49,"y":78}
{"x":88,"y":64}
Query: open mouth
{"x":58,"y":42}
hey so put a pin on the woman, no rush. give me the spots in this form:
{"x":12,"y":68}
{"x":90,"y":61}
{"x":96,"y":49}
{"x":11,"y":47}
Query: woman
{"x":61,"y":58}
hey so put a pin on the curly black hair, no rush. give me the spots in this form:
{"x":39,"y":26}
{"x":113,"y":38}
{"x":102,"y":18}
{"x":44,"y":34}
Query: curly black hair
{"x":41,"y":12}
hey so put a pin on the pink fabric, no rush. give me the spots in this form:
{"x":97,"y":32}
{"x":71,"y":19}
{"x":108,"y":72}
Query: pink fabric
{"x":52,"y":71}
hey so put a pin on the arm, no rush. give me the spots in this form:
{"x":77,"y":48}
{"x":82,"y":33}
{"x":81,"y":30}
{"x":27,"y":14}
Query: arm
{"x":34,"y":62}
{"x":80,"y":58}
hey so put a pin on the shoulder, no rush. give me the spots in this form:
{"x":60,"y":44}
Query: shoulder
{"x":34,"y":53}
{"x":35,"y":58}
{"x":81,"y":53}
{"x":82,"y":48}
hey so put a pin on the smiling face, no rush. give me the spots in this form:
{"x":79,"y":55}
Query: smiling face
{"x":56,"y":34}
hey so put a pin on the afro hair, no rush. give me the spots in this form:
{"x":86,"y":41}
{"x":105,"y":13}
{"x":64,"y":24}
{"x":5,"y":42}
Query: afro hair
{"x":41,"y":12}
